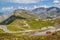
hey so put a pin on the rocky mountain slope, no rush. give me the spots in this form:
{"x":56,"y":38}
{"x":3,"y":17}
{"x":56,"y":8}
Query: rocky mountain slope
{"x":22,"y":20}
{"x":26,"y":22}
{"x":51,"y":12}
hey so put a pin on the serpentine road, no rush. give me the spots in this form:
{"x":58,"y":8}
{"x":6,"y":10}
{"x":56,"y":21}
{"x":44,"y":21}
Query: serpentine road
{"x":50,"y":28}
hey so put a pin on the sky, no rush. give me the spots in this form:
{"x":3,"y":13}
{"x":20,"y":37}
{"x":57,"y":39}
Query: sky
{"x":10,"y":5}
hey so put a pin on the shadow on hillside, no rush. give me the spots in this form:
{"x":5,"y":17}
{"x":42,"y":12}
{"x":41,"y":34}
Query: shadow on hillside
{"x":11,"y":19}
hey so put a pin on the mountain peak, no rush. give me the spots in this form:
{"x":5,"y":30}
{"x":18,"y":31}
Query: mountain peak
{"x":55,"y":8}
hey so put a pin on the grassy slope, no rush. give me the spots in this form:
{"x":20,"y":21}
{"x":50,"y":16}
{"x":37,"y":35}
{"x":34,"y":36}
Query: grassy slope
{"x":9,"y":36}
{"x":39,"y":24}
{"x":19,"y":25}
{"x":1,"y":30}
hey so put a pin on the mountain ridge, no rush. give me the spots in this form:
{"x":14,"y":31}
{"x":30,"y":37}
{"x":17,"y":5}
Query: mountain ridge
{"x":47,"y":12}
{"x":43,"y":13}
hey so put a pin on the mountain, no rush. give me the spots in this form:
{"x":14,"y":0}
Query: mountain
{"x":54,"y":8}
{"x":4,"y":16}
{"x":11,"y":19}
{"x":53,"y":12}
{"x":40,"y":12}
{"x":24,"y":13}
{"x":18,"y":14}
{"x":37,"y":13}
{"x":23,"y":22}
{"x":50,"y":12}
{"x":39,"y":9}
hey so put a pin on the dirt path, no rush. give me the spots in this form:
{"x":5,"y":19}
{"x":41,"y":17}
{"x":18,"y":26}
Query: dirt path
{"x":51,"y":29}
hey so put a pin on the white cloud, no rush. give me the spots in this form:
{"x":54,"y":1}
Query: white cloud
{"x":56,"y":1}
{"x":45,"y":6}
{"x":3,"y":9}
{"x":57,"y":5}
{"x":22,"y":1}
{"x":7,"y":8}
{"x":20,"y":7}
{"x":25,"y":1}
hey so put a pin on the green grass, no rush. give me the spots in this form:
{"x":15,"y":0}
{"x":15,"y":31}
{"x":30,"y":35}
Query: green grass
{"x":39,"y":24}
{"x":12,"y":28}
{"x":32,"y":23}
{"x":12,"y":36}
{"x":1,"y":31}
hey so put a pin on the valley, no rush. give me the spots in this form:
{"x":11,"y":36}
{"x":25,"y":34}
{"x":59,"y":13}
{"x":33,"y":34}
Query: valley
{"x":23,"y":23}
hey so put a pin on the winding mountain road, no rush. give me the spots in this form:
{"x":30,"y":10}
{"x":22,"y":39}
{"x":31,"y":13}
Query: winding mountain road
{"x":51,"y":29}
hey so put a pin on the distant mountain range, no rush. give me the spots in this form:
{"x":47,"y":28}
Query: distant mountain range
{"x":47,"y":12}
{"x":37,"y":13}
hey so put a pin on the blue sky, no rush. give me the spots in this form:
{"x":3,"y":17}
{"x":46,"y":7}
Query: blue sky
{"x":10,"y":5}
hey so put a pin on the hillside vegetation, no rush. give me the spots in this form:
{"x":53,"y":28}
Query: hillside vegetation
{"x":24,"y":25}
